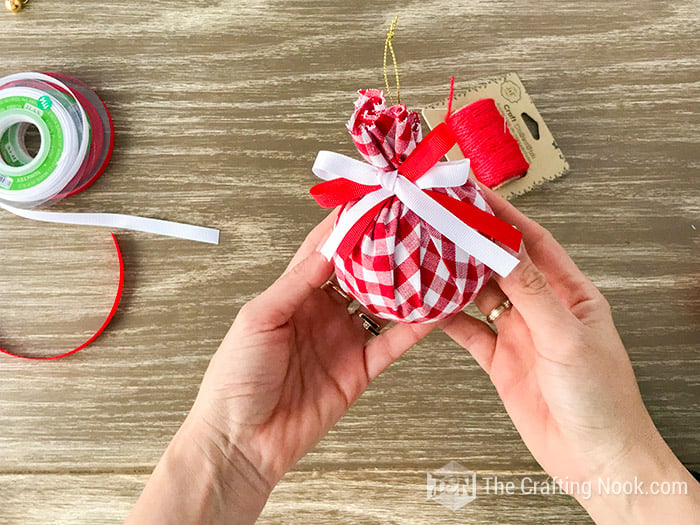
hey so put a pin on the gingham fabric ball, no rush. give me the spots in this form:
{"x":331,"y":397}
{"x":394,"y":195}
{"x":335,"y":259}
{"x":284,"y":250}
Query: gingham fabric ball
{"x":403,"y":269}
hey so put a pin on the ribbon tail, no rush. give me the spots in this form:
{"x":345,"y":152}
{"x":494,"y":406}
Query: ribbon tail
{"x":444,"y":221}
{"x":353,"y":220}
{"x":129,"y":222}
{"x":336,"y":192}
{"x":481,"y":221}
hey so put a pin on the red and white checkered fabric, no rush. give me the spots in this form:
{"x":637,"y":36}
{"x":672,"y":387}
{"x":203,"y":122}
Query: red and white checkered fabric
{"x":383,"y":136}
{"x":403,"y":269}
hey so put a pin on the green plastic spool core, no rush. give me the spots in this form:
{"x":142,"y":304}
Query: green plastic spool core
{"x":26,"y":172}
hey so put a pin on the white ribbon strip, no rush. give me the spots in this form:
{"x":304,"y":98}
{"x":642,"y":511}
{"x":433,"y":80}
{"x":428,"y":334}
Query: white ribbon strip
{"x":330,"y":166}
{"x":75,"y":131}
{"x":129,"y":222}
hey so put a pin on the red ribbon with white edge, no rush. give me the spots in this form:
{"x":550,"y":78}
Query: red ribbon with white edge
{"x":469,"y":228}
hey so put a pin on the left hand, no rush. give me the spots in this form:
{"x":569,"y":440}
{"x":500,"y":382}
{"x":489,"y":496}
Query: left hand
{"x":292,"y":364}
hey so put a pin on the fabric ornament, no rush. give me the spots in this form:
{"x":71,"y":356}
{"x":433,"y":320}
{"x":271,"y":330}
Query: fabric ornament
{"x":414,"y":240}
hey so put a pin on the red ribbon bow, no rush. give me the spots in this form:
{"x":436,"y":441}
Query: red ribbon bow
{"x":428,"y":152}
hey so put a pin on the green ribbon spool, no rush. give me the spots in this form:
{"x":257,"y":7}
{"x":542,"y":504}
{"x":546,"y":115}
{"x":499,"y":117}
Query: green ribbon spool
{"x":16,"y":164}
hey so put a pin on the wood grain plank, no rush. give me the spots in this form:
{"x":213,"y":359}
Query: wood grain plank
{"x":219,"y":110}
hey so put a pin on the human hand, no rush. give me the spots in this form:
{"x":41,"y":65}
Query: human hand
{"x":292,"y":364}
{"x":564,"y":377}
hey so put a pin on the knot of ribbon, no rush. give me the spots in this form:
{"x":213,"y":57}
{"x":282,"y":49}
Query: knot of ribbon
{"x":470,"y":228}
{"x":387,"y":180}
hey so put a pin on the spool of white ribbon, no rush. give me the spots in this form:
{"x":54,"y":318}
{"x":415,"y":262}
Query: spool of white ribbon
{"x":64,"y":160}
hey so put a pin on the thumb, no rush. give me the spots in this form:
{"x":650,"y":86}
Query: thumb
{"x":276,"y":305}
{"x":528,"y":290}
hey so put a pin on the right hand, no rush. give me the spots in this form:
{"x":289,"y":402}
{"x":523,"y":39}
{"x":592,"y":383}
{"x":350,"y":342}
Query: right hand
{"x":562,"y":371}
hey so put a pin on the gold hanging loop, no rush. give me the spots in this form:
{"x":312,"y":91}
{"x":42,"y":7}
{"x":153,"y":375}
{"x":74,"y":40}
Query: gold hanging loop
{"x":388,"y":47}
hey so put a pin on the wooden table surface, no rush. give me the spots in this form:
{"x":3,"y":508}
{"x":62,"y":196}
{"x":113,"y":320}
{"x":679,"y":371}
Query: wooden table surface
{"x":220,"y":108}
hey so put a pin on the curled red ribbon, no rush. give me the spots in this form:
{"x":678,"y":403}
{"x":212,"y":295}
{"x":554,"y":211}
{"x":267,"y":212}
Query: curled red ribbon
{"x":428,"y":152}
{"x":117,"y":298}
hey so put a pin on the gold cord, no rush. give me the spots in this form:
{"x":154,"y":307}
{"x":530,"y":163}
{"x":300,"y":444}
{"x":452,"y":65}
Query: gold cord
{"x":388,"y":47}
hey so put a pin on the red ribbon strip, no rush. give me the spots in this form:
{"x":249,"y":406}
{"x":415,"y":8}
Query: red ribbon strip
{"x":117,"y":298}
{"x":428,"y":152}
{"x":100,"y":153}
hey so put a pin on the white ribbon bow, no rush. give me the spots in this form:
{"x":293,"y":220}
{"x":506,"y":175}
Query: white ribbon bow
{"x":330,"y":166}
